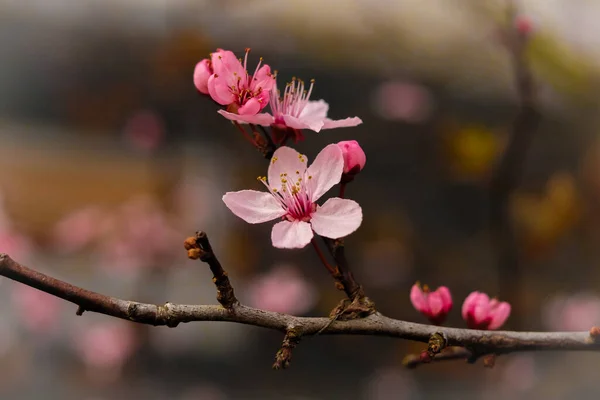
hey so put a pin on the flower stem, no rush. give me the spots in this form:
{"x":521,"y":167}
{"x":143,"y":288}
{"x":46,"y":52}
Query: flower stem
{"x":342,"y":189}
{"x":322,"y":257}
{"x":246,"y":135}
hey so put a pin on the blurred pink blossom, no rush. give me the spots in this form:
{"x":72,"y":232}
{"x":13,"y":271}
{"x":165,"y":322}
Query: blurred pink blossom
{"x":481,"y":312}
{"x":145,"y":130}
{"x":16,"y":245}
{"x":403,"y":101}
{"x":80,"y":228}
{"x":283,"y":289}
{"x":37,"y":311}
{"x":435,"y":305}
{"x":105,"y":347}
{"x":577,"y":312}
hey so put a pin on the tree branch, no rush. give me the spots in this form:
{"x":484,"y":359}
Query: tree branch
{"x":169,"y":314}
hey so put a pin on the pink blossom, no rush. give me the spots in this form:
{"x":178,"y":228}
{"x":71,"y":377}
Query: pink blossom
{"x":295,"y":111}
{"x":145,"y":130}
{"x":202,"y":72}
{"x":576,"y":312}
{"x":79,"y":228}
{"x":482,"y":313}
{"x":39,"y":310}
{"x":231,"y":85}
{"x":16,"y":245}
{"x":106,"y":346}
{"x":354,"y":156}
{"x":293,"y":189}
{"x":284,"y":290}
{"x":434,"y":305}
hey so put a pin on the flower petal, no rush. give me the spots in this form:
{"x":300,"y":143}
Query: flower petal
{"x":253,"y":206}
{"x":291,"y":235}
{"x":446,"y":297}
{"x":436,"y":304}
{"x":418,"y":299}
{"x":500,"y":315}
{"x":219,"y":90}
{"x":315,"y":110}
{"x":341,"y":123}
{"x":303,"y":123}
{"x":337,"y":218}
{"x":263,"y":79}
{"x":264,"y":119}
{"x":469,"y":305}
{"x":286,"y":161}
{"x":251,"y":107}
{"x":325,"y":171}
{"x":226,"y":64}
{"x":202,"y":72}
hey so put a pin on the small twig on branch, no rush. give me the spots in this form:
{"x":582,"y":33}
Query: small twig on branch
{"x":505,"y":178}
{"x":448,"y":354}
{"x":169,"y":314}
{"x":199,"y":247}
{"x":283,"y":358}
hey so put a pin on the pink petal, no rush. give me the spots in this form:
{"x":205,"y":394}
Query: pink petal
{"x":251,"y":107}
{"x":315,"y":110}
{"x":436,"y":304}
{"x":227,"y":65}
{"x":337,"y":218}
{"x":263,"y":99}
{"x":419,"y":299}
{"x":285,"y":161}
{"x":291,"y":235}
{"x":202,"y":72}
{"x":499,"y":316}
{"x":253,"y":206}
{"x":303,"y":123}
{"x":264,"y":119}
{"x":263,"y":79}
{"x":469,"y":305}
{"x":326,"y":171}
{"x":481,"y":310}
{"x":341,"y":123}
{"x":219,"y":90}
{"x":446,"y":298}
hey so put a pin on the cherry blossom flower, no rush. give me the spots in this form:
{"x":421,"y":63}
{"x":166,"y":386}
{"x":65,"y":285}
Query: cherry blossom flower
{"x":293,"y":189}
{"x":294,"y":110}
{"x":39,"y":310}
{"x":482,"y":313}
{"x":434,"y":305}
{"x":231,"y":85}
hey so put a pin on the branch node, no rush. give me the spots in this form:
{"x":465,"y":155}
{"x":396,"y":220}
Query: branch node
{"x":80,"y":311}
{"x":437,"y":342}
{"x":595,"y":333}
{"x":164,"y":316}
{"x":489,"y":361}
{"x":283,"y":357}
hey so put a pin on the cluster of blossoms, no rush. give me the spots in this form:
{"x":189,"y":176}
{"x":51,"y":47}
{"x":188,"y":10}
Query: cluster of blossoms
{"x":478,"y":310}
{"x":293,"y":187}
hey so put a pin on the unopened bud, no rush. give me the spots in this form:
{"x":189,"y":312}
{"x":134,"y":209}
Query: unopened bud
{"x":194,"y":254}
{"x":190,"y":243}
{"x":354,"y":157}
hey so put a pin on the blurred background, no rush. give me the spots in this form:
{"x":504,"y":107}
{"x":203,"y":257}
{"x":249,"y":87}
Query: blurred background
{"x":109,"y":158}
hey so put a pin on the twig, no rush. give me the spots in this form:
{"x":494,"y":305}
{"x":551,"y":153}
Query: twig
{"x":169,"y":314}
{"x":506,"y":176}
{"x":199,"y":247}
{"x":283,"y":358}
{"x":448,"y":354}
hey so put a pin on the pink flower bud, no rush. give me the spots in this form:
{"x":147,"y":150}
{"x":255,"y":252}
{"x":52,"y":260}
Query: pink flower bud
{"x":482,"y":313}
{"x":434,"y":305}
{"x":354,"y":156}
{"x":202,"y":72}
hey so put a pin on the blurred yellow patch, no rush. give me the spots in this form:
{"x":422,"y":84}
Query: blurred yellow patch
{"x":543,"y":220}
{"x":472,"y":151}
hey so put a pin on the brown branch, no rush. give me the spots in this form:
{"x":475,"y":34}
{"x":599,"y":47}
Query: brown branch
{"x":505,"y":178}
{"x":169,"y":314}
{"x":199,"y":247}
